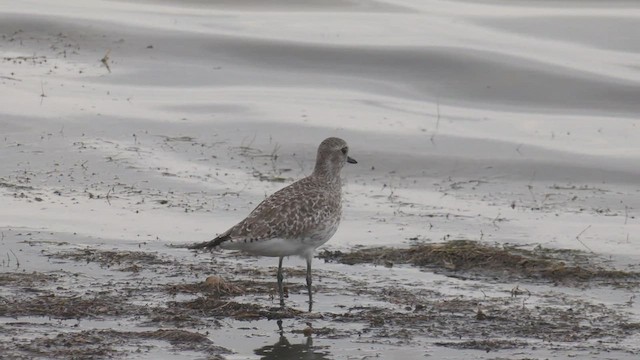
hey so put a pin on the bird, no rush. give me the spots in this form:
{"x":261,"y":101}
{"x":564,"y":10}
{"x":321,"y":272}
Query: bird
{"x":296,"y":219}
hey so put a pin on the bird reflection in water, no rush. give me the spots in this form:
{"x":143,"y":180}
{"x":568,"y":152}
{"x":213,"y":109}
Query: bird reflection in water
{"x":284,"y":350}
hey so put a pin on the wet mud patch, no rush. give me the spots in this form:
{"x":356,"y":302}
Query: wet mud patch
{"x":225,"y":308}
{"x":163,"y":317}
{"x":465,"y":258}
{"x":105,"y":344}
{"x":131,"y":261}
{"x":549,"y":319}
{"x":486,"y":345}
{"x":215,"y":286}
{"x":14,"y":186}
{"x":214,"y":298}
{"x":68,"y":307}
{"x":32,"y":281}
{"x":241,"y":300}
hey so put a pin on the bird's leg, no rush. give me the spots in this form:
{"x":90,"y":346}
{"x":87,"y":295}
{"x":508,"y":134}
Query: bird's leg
{"x":280,"y":286}
{"x":309,"y":283}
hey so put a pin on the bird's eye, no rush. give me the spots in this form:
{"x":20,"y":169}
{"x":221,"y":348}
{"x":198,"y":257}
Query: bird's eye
{"x":345,"y":150}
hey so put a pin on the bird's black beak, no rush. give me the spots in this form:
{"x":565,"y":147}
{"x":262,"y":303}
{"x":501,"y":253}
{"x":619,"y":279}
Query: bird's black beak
{"x":351,"y":160}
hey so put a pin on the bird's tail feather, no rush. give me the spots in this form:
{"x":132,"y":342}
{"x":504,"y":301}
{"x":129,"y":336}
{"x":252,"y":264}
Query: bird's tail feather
{"x":210,"y":245}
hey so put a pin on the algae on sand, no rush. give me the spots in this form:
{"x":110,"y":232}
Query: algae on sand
{"x":572,"y":267}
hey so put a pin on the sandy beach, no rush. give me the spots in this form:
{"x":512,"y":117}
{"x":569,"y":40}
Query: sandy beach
{"x":493,"y":212}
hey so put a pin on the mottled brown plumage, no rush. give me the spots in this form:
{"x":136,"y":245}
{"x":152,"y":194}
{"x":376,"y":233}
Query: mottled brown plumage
{"x":308,"y":211}
{"x":296,"y":219}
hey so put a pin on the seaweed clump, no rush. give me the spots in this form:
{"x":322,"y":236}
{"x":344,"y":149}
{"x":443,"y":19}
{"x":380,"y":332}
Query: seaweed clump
{"x":498,"y":261}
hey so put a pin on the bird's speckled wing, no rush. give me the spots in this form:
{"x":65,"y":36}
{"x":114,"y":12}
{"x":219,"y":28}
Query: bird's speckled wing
{"x":302,"y":208}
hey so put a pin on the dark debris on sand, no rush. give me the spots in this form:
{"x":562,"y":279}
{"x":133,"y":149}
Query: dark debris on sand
{"x":31,"y":280}
{"x":465,"y":256}
{"x":224,"y":308}
{"x":132,"y":261}
{"x":68,"y":307}
{"x":487,"y":323}
{"x":108,"y":344}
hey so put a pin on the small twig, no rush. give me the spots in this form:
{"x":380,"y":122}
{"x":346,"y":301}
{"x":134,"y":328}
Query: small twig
{"x":23,"y":58}
{"x":630,"y":302}
{"x":580,"y":241}
{"x":9,"y":78}
{"x":42,"y":95}
{"x":109,"y":193}
{"x":105,"y":60}
{"x":17,"y":260}
{"x":497,"y":218}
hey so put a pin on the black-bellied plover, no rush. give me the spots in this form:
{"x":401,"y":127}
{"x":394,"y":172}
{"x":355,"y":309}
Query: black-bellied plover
{"x":296,"y":219}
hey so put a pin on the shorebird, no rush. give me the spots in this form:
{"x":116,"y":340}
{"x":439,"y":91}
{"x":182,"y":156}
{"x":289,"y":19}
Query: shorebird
{"x":295,"y":220}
